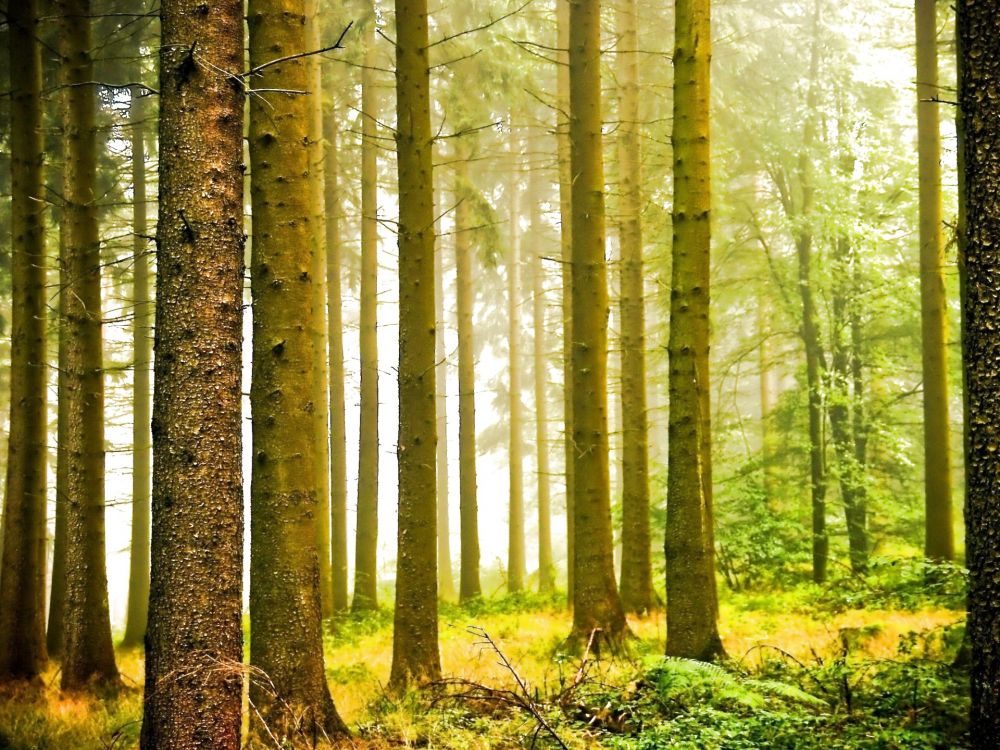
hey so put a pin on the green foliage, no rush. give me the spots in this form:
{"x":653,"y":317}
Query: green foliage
{"x":907,"y":583}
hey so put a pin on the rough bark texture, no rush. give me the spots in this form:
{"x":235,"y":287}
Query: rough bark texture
{"x":22,"y":573}
{"x":469,"y":583}
{"x":939,"y":542}
{"x":366,"y":547}
{"x":446,"y":583}
{"x":142,"y":348}
{"x":978,"y":28}
{"x":335,"y":337}
{"x":596,"y":605}
{"x":566,"y":255}
{"x":415,"y":655}
{"x":88,"y":654}
{"x":193,"y":689}
{"x":691,"y":611}
{"x":546,"y":569}
{"x":515,"y":446}
{"x":637,"y":567}
{"x":285,"y":608}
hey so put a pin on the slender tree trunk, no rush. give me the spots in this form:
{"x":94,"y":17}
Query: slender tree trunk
{"x":446,"y":584}
{"x":566,"y":255}
{"x":979,"y":136}
{"x":415,"y":655}
{"x":768,"y":398}
{"x":194,"y":683}
{"x":939,"y":543}
{"x":637,"y":567}
{"x":366,"y":547}
{"x":546,"y":571}
{"x":142,"y":348}
{"x":285,"y":599}
{"x":596,"y":604}
{"x":335,"y":337}
{"x":469,"y":584}
{"x":515,"y":463}
{"x":692,"y":631}
{"x":88,"y":654}
{"x":852,"y":489}
{"x":22,"y":572}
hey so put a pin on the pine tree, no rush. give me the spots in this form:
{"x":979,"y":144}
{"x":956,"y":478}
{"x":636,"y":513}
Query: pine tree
{"x":596,"y":604}
{"x":979,"y":134}
{"x":691,"y":603}
{"x":415,"y":655}
{"x":515,"y":537}
{"x":22,"y":572}
{"x":88,"y":653}
{"x":194,"y":684}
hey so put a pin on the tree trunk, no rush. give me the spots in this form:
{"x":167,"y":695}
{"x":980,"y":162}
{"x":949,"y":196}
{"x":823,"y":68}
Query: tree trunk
{"x":546,"y":571}
{"x":22,"y":572}
{"x":637,"y":567}
{"x":596,"y":604}
{"x":415,"y":655}
{"x":194,"y":683}
{"x":566,"y":256}
{"x":939,"y":543}
{"x":691,"y":603}
{"x":979,"y":136}
{"x":515,"y":463}
{"x":335,"y":338}
{"x":768,"y":399}
{"x":142,"y":348}
{"x":285,"y":600}
{"x":446,"y":584}
{"x":469,"y":584}
{"x":88,"y":654}
{"x":366,"y":547}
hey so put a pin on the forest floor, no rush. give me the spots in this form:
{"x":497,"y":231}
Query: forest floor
{"x":806,"y":669}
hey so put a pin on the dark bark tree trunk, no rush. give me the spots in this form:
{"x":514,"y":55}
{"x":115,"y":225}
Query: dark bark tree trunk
{"x":194,"y":682}
{"x":596,"y":605}
{"x":22,"y":572}
{"x":692,"y":631}
{"x":415,"y":654}
{"x":979,"y":146}
{"x":88,"y":654}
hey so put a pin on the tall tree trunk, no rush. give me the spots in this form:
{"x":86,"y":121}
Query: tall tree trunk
{"x":88,"y":654}
{"x":415,"y":655}
{"x":768,"y":398}
{"x":851,"y":478}
{"x":566,"y":256}
{"x":692,"y":631}
{"x":366,"y":547}
{"x":446,"y":584}
{"x":979,"y":145}
{"x":194,"y":684}
{"x":939,"y":543}
{"x":637,"y":567}
{"x":546,"y":572}
{"x":285,"y":600}
{"x":22,"y":572}
{"x":332,"y":578}
{"x":335,"y":338}
{"x":469,"y":584}
{"x":142,"y":348}
{"x":515,"y":463}
{"x":596,"y":604}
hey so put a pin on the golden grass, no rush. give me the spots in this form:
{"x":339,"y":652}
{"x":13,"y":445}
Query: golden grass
{"x":42,"y":718}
